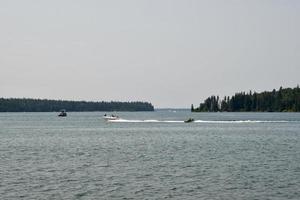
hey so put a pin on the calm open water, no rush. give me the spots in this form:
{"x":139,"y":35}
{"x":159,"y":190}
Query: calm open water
{"x":150,"y":155}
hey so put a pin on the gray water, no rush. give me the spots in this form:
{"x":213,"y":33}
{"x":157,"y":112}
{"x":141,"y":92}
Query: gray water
{"x":150,"y":155}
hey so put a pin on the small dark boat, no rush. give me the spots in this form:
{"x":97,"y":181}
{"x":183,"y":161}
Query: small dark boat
{"x":189,"y":120}
{"x":62,"y":113}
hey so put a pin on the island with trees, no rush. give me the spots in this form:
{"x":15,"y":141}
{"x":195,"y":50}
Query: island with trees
{"x":46,"y":105}
{"x":282,"y":100}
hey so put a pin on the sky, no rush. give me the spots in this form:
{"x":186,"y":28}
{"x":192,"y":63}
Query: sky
{"x":172,"y":53}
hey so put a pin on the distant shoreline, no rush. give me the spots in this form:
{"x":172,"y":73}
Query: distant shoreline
{"x":46,"y":105}
{"x":282,"y":100}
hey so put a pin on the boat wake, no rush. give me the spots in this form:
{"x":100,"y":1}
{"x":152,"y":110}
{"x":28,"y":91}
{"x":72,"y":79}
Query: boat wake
{"x":196,"y":121}
{"x":241,"y":121}
{"x":145,"y":121}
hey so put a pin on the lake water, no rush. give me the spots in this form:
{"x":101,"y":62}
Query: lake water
{"x":150,"y":155}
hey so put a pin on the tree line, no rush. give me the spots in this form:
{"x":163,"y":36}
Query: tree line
{"x":46,"y":105}
{"x":282,"y":100}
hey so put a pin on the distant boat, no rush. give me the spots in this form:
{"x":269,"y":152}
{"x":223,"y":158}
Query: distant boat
{"x":111,"y":117}
{"x":62,"y":113}
{"x":189,"y":120}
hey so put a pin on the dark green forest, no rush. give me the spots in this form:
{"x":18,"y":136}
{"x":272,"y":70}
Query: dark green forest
{"x":45,"y":105}
{"x":282,"y":100}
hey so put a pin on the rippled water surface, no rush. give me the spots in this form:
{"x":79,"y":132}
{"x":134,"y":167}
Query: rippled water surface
{"x":150,"y":155}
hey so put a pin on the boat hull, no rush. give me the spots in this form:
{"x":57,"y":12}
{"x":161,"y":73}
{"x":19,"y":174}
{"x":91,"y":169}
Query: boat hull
{"x":108,"y":118}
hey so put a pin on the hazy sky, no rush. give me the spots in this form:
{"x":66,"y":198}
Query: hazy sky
{"x":171,"y":53}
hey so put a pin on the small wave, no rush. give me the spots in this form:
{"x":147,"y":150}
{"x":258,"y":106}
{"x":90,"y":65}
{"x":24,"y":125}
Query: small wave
{"x":197,"y":121}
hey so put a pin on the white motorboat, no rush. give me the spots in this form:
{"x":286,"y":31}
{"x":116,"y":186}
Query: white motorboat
{"x":111,"y":117}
